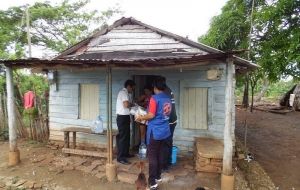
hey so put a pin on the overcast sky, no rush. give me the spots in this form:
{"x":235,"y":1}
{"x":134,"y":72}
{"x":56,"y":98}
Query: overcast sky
{"x":183,"y":17}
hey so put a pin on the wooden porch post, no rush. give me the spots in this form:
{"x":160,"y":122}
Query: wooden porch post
{"x":227,"y":178}
{"x":14,"y":154}
{"x":110,"y":167}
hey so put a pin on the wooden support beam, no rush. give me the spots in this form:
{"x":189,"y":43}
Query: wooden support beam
{"x":84,"y":152}
{"x":14,"y":154}
{"x":109,"y":114}
{"x":111,"y":168}
{"x":11,"y":110}
{"x":228,"y":139}
{"x":67,"y":140}
{"x":74,"y":140}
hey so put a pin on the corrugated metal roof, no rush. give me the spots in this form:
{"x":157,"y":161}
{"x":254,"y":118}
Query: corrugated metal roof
{"x":131,"y":42}
{"x":186,"y":60}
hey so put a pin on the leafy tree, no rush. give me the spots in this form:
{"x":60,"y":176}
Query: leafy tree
{"x":274,"y":38}
{"x":277,"y":33}
{"x":230,"y":30}
{"x":52,"y":26}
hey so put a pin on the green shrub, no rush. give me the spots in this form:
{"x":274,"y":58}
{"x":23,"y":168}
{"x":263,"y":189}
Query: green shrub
{"x":4,"y":134}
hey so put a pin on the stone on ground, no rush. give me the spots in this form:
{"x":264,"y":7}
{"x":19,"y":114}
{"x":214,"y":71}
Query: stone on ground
{"x":167,"y":177}
{"x":19,"y":183}
{"x":68,"y":168}
{"x":37,"y":186}
{"x":188,"y":167}
{"x":100,"y":175}
{"x":97,"y":163}
{"x":29,"y":184}
{"x":77,"y":161}
{"x":127,"y":177}
{"x":2,"y":184}
{"x":89,"y":169}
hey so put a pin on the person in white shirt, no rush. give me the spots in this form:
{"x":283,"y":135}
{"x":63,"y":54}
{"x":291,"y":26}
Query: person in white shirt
{"x":123,"y":121}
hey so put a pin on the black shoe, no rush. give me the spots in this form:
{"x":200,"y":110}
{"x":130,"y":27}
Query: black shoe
{"x":125,"y":162}
{"x":165,"y":169}
{"x":130,"y":156}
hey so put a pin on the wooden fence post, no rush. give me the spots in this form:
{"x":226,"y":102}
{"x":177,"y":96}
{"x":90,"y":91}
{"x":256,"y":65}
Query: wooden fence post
{"x":14,"y":154}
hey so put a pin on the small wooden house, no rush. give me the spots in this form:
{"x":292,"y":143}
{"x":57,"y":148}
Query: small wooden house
{"x":197,"y":74}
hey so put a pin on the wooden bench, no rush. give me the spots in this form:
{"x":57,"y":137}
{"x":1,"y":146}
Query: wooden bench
{"x":67,"y":150}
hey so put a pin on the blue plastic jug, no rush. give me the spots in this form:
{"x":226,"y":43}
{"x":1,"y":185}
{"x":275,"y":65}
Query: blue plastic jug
{"x":174,"y":155}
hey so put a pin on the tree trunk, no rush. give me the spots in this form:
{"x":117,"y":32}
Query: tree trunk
{"x":5,"y":110}
{"x":246,"y":92}
{"x":2,"y":120}
{"x":263,"y":90}
{"x":252,"y":98}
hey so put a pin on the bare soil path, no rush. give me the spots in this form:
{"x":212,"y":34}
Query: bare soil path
{"x":274,"y":139}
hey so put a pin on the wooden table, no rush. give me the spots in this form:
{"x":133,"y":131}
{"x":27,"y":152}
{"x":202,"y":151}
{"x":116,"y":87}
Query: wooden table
{"x":67,"y":150}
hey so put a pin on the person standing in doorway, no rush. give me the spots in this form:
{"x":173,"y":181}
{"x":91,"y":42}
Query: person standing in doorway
{"x":158,"y":130}
{"x":172,"y":124}
{"x":143,"y":101}
{"x":123,"y":122}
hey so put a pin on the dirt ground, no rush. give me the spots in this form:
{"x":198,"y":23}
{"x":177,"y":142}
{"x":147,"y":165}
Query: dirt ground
{"x":51,"y":170}
{"x":274,"y":140}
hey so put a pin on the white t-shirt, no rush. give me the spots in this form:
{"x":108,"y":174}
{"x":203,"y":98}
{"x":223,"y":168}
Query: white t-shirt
{"x":122,"y":97}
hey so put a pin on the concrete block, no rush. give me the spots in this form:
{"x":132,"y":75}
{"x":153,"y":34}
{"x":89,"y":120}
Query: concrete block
{"x":227,"y":182}
{"x":111,"y":172}
{"x":13,"y":158}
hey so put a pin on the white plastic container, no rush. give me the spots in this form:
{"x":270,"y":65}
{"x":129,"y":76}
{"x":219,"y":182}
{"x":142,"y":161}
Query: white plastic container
{"x":292,"y":99}
{"x":97,"y":126}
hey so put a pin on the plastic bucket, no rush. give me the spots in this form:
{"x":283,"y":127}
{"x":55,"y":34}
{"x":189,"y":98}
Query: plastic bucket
{"x":174,"y":155}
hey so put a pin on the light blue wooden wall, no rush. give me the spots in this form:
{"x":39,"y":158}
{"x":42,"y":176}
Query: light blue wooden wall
{"x":63,"y":109}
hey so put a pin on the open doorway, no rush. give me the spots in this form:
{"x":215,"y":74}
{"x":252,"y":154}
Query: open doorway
{"x":141,"y":82}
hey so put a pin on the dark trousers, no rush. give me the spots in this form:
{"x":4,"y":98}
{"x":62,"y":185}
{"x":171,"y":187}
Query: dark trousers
{"x":123,"y":137}
{"x":156,"y":159}
{"x":168,"y":147}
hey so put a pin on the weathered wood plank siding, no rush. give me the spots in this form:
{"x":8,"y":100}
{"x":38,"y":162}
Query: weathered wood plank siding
{"x":64,"y":103}
{"x":136,"y":37}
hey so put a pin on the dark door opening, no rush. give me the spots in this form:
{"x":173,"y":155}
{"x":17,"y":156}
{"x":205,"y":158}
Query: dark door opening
{"x":141,"y":82}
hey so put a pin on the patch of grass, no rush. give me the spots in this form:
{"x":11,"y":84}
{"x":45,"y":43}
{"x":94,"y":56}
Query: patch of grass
{"x":22,"y":188}
{"x":274,"y":93}
{"x":15,"y":179}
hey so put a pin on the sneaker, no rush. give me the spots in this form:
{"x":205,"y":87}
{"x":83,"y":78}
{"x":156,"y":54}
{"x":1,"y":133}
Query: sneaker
{"x":154,"y":187}
{"x":158,"y":180}
{"x":124,"y":161}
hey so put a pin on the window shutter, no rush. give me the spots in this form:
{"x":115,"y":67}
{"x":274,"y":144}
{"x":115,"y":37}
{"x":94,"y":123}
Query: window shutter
{"x":89,"y":101}
{"x":195,"y":108}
